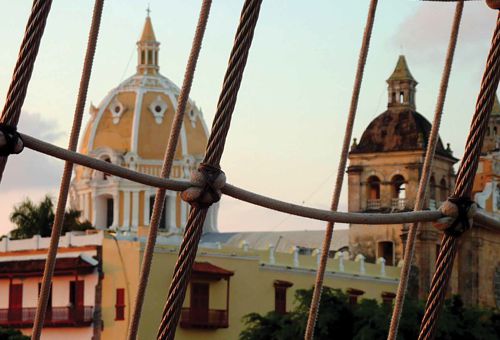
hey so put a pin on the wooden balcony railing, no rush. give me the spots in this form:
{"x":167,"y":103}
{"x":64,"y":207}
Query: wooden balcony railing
{"x":373,"y":204}
{"x":211,"y":318}
{"x":54,"y":317}
{"x":398,"y":203}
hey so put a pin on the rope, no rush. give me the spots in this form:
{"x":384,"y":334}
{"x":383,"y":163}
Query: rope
{"x":320,"y":274}
{"x":24,"y":67}
{"x":248,"y":196}
{"x":167,"y":166}
{"x":426,"y":174}
{"x":463,"y":188}
{"x":215,"y":147}
{"x":68,"y":168}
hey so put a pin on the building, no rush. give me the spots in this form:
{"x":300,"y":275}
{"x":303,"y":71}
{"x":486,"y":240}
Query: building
{"x":97,"y":275}
{"x":383,"y":177}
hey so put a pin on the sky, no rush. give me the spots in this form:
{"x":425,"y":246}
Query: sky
{"x":288,"y":123}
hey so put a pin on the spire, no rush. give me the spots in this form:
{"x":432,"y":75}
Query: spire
{"x":402,"y":86}
{"x":495,"y":111}
{"x":401,"y":72}
{"x":147,"y":49}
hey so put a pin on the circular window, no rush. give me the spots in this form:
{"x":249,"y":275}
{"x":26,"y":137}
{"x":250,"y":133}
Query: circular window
{"x":117,"y":109}
{"x":191,"y":113}
{"x":158,"y":108}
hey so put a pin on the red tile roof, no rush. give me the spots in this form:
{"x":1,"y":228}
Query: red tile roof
{"x":210,"y":270}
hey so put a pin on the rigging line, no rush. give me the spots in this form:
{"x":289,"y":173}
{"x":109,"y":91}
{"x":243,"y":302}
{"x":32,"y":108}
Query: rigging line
{"x":426,"y":174}
{"x":159,"y":201}
{"x":320,"y":273}
{"x":245,"y":195}
{"x":67,"y":172}
{"x":465,"y":179}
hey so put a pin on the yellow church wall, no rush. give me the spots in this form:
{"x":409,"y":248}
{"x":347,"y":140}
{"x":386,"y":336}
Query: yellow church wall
{"x":121,"y":270}
{"x":251,"y":286}
{"x":85,"y":139}
{"x":116,"y":136}
{"x":149,"y":145}
{"x":196,"y":136}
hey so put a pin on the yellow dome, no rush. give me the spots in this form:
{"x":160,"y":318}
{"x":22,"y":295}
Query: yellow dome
{"x":136,"y":117}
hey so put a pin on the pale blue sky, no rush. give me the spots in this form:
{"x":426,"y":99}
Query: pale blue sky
{"x":289,"y":120}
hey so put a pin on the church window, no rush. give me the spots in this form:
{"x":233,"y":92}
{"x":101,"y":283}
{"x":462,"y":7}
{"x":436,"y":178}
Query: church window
{"x":398,"y":186}
{"x":280,"y":288}
{"x":158,"y":108}
{"x":386,"y":250}
{"x":432,"y":188}
{"x":143,"y":57}
{"x":393,"y":99}
{"x":163,"y":213}
{"x":494,"y":131}
{"x":150,"y":57}
{"x":401,"y":97}
{"x":373,"y":187}
{"x":354,"y":295}
{"x":443,"y":190}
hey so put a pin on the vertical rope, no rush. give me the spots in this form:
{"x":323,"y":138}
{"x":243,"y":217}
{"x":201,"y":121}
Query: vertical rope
{"x":68,"y":168}
{"x":426,"y":172}
{"x":24,"y":66}
{"x":318,"y":286}
{"x":215,"y":147}
{"x":463,"y":187}
{"x":167,"y":166}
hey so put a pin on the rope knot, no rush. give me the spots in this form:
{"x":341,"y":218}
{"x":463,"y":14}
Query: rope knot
{"x":207,"y":182}
{"x":458,"y":213}
{"x":10,"y":140}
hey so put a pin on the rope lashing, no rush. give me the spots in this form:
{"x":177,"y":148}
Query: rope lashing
{"x":318,"y":286}
{"x":207,"y":182}
{"x":426,"y":174}
{"x":24,"y":67}
{"x":168,"y":160}
{"x":463,"y":187}
{"x":67,"y":172}
{"x":215,"y":148}
{"x":11,"y":141}
{"x":459,"y":213}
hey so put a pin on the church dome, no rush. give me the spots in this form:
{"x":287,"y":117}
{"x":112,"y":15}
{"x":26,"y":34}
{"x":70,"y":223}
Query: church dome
{"x":135,"y":118}
{"x":401,"y":127}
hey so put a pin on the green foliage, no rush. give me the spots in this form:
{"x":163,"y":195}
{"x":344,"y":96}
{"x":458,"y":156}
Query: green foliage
{"x":37,"y":219}
{"x":369,"y":320}
{"x":12,"y":334}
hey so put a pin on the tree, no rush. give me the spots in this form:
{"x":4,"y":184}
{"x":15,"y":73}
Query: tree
{"x":12,"y":334}
{"x":369,"y":320}
{"x":37,"y":219}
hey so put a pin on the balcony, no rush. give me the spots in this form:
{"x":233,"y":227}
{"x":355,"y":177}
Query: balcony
{"x":398,"y":203}
{"x":373,"y":204}
{"x":54,"y":317}
{"x":207,"y":319}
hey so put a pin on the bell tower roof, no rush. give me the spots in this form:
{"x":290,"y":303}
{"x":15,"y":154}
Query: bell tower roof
{"x":401,"y":72}
{"x":147,"y":50}
{"x":401,"y":87}
{"x":148,"y":33}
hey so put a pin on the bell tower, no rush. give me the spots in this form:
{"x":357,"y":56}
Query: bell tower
{"x":147,"y":50}
{"x":401,"y":86}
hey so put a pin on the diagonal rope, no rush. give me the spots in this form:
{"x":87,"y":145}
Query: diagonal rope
{"x":215,"y":147}
{"x":320,"y":274}
{"x":463,"y":188}
{"x":426,"y":173}
{"x":24,"y":67}
{"x":68,"y":168}
{"x":167,"y":166}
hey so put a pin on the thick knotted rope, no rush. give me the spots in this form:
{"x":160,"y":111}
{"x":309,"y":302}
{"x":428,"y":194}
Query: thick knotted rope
{"x":463,"y":188}
{"x":68,"y":169}
{"x":426,"y":174}
{"x":207,"y":182}
{"x":320,"y":274}
{"x":215,"y":147}
{"x":167,"y":167}
{"x":24,"y":68}
{"x":10,"y":140}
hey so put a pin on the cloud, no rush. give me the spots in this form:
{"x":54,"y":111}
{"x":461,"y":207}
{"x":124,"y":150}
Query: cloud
{"x":426,"y":32}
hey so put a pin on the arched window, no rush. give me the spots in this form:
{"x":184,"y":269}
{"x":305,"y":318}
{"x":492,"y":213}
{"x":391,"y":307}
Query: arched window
{"x":393,"y":100}
{"x":104,"y":211}
{"x":398,"y":187}
{"x":432,"y":188}
{"x":401,"y":97}
{"x":386,"y":250}
{"x":373,"y":188}
{"x":443,"y":190}
{"x":494,"y":131}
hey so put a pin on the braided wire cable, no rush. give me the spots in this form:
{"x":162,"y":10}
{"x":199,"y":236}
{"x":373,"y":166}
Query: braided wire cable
{"x":24,"y":67}
{"x":320,"y":273}
{"x":215,"y":147}
{"x":68,"y":169}
{"x":167,"y":167}
{"x":426,"y":174}
{"x":463,"y":187}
